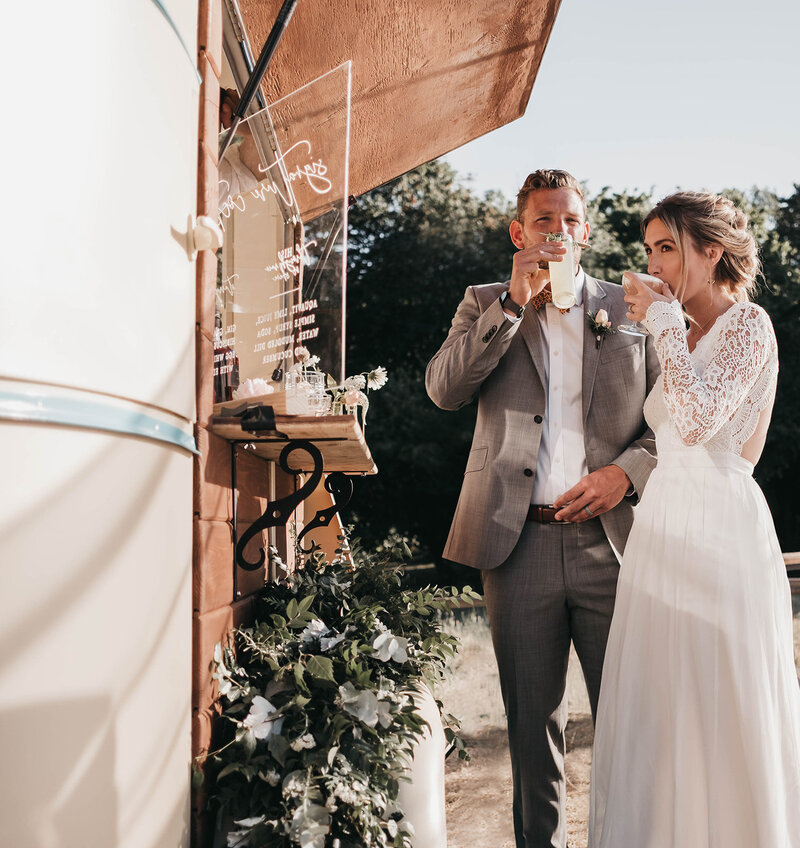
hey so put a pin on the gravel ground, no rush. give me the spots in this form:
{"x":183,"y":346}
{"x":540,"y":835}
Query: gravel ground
{"x":478,"y":793}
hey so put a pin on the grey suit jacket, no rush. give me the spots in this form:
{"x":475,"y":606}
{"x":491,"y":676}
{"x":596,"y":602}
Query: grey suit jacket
{"x":503,"y":363}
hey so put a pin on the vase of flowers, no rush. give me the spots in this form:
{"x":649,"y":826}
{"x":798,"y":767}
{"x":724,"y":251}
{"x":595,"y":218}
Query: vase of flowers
{"x":353,"y":395}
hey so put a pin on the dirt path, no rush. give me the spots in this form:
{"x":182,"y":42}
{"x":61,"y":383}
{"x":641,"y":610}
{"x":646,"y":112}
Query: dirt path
{"x":479,"y":792}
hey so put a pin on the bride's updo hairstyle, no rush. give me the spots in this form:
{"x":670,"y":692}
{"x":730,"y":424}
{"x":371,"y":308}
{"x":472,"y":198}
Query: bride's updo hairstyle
{"x":711,"y":220}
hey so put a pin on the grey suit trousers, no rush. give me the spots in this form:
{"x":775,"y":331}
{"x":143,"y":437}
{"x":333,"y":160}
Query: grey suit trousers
{"x":556,"y":587}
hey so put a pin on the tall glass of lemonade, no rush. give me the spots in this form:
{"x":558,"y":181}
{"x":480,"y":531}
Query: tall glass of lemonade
{"x":562,"y":274}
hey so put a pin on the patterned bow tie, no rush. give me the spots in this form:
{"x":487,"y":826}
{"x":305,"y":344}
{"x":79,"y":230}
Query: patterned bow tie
{"x":544,"y":296}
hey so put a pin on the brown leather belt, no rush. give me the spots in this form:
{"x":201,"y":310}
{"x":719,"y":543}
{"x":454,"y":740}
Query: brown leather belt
{"x":543,"y":514}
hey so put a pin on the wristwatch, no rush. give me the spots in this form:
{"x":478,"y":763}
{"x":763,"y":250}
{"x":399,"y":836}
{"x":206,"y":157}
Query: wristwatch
{"x":507,"y":303}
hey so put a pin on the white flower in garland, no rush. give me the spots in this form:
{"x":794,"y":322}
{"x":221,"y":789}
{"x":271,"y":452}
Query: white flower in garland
{"x":271,"y":777}
{"x":303,"y":742}
{"x":310,"y":825}
{"x":294,"y":784}
{"x":326,"y":643}
{"x":314,"y":630}
{"x":346,"y":794}
{"x":260,"y":719}
{"x":363,"y":704}
{"x":387,"y":647}
{"x":224,"y":675}
{"x":385,"y":717}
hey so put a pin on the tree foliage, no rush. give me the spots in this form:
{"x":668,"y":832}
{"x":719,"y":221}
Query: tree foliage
{"x":418,"y":242}
{"x":415,"y":245}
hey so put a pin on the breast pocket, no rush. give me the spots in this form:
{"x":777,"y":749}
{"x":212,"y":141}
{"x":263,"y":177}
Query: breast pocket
{"x":476,"y":460}
{"x":621,"y":355}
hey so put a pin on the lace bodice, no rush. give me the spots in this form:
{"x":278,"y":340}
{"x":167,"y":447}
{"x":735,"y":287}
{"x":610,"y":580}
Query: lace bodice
{"x":712,"y":397}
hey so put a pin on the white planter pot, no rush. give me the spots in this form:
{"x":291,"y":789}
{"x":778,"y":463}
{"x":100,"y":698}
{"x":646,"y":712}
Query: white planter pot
{"x":422,"y":799}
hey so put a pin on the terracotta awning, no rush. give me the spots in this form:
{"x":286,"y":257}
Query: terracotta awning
{"x":428,"y":75}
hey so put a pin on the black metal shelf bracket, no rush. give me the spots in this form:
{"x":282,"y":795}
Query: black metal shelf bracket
{"x":279,"y":511}
{"x":340,"y":487}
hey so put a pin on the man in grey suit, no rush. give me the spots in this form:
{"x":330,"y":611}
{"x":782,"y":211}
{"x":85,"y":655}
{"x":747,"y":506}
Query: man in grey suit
{"x":560,"y":455}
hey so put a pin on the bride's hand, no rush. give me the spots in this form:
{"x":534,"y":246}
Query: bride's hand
{"x":642,"y":295}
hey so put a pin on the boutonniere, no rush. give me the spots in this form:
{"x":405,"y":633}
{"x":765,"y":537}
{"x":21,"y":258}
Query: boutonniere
{"x":600,"y":325}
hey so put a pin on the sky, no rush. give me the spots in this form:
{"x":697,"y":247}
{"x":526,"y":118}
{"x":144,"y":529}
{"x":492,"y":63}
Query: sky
{"x":654,"y":96}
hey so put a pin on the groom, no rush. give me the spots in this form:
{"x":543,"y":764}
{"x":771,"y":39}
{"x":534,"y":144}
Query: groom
{"x":560,"y":455}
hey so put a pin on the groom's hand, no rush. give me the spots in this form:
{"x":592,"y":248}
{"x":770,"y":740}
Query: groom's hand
{"x":600,"y":491}
{"x":529,"y":269}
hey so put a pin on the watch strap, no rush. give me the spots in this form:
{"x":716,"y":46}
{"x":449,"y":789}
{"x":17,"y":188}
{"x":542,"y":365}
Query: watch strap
{"x":507,"y":303}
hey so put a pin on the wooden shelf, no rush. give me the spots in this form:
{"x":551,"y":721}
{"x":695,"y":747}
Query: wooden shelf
{"x":276,"y":399}
{"x":339,"y":438}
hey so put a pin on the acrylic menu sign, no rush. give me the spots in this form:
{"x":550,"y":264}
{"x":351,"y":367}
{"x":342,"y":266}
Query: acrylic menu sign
{"x":283,"y":214}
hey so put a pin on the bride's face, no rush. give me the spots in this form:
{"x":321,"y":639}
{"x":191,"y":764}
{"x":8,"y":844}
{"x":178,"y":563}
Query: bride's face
{"x":664,"y":261}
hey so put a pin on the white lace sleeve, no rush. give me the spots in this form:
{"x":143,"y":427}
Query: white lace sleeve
{"x":744,"y":347}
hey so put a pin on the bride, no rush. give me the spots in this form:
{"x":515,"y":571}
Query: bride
{"x":697,"y":742}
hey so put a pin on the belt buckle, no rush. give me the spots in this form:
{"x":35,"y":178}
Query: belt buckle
{"x":556,"y":523}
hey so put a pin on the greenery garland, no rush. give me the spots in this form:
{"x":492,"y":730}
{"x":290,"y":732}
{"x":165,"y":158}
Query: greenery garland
{"x":319,"y":720}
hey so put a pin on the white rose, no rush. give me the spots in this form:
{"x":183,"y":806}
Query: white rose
{"x":602,"y":318}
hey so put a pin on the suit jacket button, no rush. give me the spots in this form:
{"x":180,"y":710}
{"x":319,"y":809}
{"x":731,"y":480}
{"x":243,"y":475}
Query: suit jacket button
{"x":537,"y":419}
{"x":527,"y":472}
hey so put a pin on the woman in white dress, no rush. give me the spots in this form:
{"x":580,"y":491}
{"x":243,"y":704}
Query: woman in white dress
{"x":697,"y":743}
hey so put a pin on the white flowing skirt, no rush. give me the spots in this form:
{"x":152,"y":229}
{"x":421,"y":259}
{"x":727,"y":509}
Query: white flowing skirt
{"x":697,"y":743}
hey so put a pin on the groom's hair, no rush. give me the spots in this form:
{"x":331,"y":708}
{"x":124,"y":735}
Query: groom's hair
{"x":547,"y":178}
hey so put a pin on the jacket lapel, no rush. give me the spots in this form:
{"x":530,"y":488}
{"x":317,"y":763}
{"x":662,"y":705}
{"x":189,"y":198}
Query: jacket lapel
{"x":532,"y":334}
{"x":592,"y":301}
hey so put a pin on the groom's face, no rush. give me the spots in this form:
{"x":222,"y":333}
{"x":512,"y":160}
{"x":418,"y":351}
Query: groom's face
{"x":554,"y":210}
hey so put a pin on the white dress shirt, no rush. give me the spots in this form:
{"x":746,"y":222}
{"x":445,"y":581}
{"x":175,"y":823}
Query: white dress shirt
{"x":562,"y":456}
